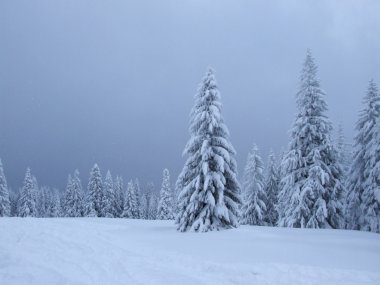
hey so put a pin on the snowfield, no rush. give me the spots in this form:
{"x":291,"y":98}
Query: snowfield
{"x":122,"y":251}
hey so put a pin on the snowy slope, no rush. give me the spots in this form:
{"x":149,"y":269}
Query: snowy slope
{"x":121,"y":251}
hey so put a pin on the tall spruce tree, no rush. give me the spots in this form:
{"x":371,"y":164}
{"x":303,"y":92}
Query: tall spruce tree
{"x":165,"y":204}
{"x":271,"y":188}
{"x":363,"y":150}
{"x":254,"y":208}
{"x":108,"y":198}
{"x":5,"y":204}
{"x":209,"y":197}
{"x":371,"y":193}
{"x":312,"y":190}
{"x":27,"y":206}
{"x":94,"y":205}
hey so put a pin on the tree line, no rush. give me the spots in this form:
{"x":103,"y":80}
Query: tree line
{"x":318,"y":182}
{"x":103,"y":198}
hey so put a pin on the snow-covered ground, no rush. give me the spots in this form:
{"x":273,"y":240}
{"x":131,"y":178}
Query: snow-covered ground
{"x":121,"y":251}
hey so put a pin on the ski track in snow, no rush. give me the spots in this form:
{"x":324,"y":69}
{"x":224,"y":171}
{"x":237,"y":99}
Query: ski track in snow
{"x":121,"y":251}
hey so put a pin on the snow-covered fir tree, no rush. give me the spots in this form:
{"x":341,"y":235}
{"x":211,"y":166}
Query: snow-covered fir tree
{"x":35,"y":195}
{"x":131,"y":209}
{"x":165,"y":204}
{"x":68,"y":195}
{"x":209,"y":197}
{"x":271,"y":188}
{"x":73,"y":198}
{"x":49,"y":201}
{"x":119,"y":195}
{"x":44,"y":198}
{"x":177,"y":190}
{"x":109,"y":197}
{"x":40,"y":202}
{"x":363,"y":150}
{"x":152,"y":205}
{"x":371,"y":194}
{"x":27,"y":206}
{"x":78,"y":195}
{"x":137,"y":193}
{"x":254,"y":208}
{"x":144,"y":206}
{"x":14,"y":197}
{"x":312,"y":190}
{"x":54,"y":205}
{"x":148,"y":203}
{"x":94,"y":207}
{"x":5,"y":204}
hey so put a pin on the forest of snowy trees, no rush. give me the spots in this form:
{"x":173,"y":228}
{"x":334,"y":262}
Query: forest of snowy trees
{"x":103,"y":198}
{"x":320,"y":181}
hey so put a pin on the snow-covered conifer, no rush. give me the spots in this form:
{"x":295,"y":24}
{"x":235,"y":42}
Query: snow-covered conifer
{"x":48,"y":201}
{"x":14,"y":196}
{"x":109,"y":197}
{"x":40,"y":202}
{"x":165,"y":204}
{"x":210,"y":195}
{"x":27,"y":206}
{"x":119,"y":195}
{"x":177,"y":190}
{"x":5,"y":204}
{"x":371,"y":194}
{"x":35,"y":191}
{"x":73,"y":198}
{"x":46,"y":198}
{"x":152,"y":205}
{"x":68,"y":195}
{"x":131,"y":209}
{"x":144,"y":206}
{"x":271,"y":188}
{"x":137,"y":194}
{"x":94,"y":207}
{"x":254,"y":208}
{"x":312,"y":190}
{"x":54,"y":205}
{"x":363,"y":150}
{"x":78,"y":195}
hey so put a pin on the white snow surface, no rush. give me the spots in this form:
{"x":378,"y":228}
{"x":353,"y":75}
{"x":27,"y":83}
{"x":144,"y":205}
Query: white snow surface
{"x":123,"y":251}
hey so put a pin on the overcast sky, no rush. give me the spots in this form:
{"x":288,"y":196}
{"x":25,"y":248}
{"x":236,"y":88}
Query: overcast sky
{"x":113,"y":81}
